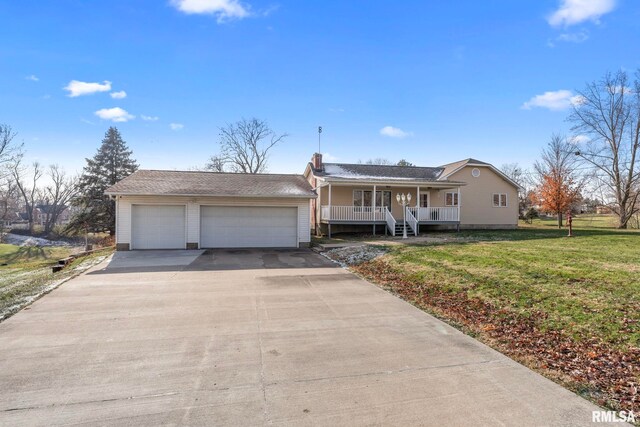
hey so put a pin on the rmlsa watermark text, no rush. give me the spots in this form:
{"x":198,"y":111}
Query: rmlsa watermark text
{"x":613,"y":417}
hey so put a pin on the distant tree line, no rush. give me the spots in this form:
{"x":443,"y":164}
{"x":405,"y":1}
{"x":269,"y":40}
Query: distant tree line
{"x":29,"y":188}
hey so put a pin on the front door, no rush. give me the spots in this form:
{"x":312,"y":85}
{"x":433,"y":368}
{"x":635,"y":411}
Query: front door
{"x":424,"y":200}
{"x":383,"y":199}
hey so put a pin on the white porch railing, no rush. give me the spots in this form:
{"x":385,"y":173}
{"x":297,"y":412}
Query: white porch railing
{"x":412,"y":221}
{"x":391,"y":221}
{"x":436,"y":214}
{"x":379,"y":213}
{"x":353,"y":213}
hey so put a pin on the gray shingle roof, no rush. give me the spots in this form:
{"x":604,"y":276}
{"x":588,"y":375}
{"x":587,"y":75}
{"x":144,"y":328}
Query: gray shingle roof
{"x":187,"y":183}
{"x":378,"y":172}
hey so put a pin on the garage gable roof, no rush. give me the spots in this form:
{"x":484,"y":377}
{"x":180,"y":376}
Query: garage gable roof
{"x":192,"y":183}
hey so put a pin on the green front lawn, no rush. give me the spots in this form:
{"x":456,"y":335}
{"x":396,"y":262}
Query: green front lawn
{"x":568,"y":307}
{"x":587,"y":286}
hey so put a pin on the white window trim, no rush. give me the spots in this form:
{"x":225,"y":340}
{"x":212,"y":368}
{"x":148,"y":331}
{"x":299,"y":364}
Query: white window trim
{"x":428,"y":193}
{"x":382,"y":197}
{"x":499,"y":205}
{"x":373,"y":195}
{"x":353,"y":197}
{"x":453,"y":198}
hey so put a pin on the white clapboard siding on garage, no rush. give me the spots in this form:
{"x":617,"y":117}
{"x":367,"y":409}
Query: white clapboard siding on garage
{"x":123,"y":230}
{"x":158,"y":227}
{"x":248,"y":227}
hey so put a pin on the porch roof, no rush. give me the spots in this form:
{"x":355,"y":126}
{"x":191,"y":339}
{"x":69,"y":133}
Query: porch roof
{"x":383,"y":174}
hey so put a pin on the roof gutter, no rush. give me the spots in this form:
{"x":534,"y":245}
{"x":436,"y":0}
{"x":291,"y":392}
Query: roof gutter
{"x":408,"y":183}
{"x":114,"y":193}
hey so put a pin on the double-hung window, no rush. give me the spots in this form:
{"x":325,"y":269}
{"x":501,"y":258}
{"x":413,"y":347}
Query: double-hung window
{"x":499,"y":200}
{"x":362,"y":200}
{"x":451,"y":198}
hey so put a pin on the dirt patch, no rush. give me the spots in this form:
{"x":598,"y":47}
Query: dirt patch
{"x":354,"y":255}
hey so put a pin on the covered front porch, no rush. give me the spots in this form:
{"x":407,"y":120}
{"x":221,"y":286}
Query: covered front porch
{"x":376,"y":204}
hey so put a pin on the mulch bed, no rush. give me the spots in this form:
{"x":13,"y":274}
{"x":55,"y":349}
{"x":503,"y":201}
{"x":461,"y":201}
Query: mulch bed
{"x":594,"y":369}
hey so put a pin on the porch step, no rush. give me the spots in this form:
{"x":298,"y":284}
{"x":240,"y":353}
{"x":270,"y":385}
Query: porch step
{"x":400,"y":228}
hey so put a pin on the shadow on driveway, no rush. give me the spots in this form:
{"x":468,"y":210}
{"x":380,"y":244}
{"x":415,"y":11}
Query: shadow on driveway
{"x":213,"y":260}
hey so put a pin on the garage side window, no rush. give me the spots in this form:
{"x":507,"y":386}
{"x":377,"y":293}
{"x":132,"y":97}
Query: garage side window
{"x":499,"y":200}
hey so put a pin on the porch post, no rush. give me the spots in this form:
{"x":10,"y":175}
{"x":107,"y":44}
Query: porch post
{"x":318,"y":206}
{"x":418,"y":204}
{"x":330,"y":212}
{"x":459,"y":204}
{"x":374,"y":209}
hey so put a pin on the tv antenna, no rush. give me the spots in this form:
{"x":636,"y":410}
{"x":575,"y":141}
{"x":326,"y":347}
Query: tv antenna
{"x":319,"y":132}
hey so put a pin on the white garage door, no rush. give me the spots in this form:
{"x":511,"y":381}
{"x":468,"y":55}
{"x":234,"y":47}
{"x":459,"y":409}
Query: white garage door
{"x":157,"y":227}
{"x":248,"y":227}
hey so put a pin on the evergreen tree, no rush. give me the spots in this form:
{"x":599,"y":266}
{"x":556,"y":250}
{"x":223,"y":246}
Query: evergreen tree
{"x":112,"y":163}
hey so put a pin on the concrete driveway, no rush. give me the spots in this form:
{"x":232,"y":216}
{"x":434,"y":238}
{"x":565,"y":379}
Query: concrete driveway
{"x":254,"y":338}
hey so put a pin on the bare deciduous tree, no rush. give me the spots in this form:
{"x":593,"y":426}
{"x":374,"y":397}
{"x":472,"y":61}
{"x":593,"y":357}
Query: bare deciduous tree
{"x":27,"y":191}
{"x":57,"y":196}
{"x":8,"y":152}
{"x":378,"y":161}
{"x":558,"y":180}
{"x":8,"y":193}
{"x":215,"y":164}
{"x":8,"y":148}
{"x":608,"y":113}
{"x":523,"y":178}
{"x":245,"y":146}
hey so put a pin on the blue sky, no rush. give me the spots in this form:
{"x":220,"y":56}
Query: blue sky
{"x":432,"y":82}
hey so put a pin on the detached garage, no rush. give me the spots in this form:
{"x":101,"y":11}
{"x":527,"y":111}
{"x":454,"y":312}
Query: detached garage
{"x":192,"y":210}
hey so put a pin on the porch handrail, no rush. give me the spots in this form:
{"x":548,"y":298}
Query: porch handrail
{"x":437,"y":214}
{"x":325,"y":212}
{"x":391,"y":221}
{"x":352,"y":213}
{"x":413,"y":222}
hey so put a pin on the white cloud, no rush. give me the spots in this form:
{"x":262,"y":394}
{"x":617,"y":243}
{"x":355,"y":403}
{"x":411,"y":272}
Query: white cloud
{"x":553,"y":100}
{"x":176,"y":126}
{"x":579,"y":139}
{"x":394,"y":132}
{"x":32,"y":78}
{"x":118,"y":95}
{"x":578,"y":37}
{"x":573,"y":12}
{"x":78,"y":88}
{"x":329,"y":158}
{"x":115,"y":114}
{"x":224,"y":10}
{"x":149,"y":118}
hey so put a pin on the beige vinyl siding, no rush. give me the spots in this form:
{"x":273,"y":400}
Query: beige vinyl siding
{"x":476,"y":200}
{"x":123,"y":231}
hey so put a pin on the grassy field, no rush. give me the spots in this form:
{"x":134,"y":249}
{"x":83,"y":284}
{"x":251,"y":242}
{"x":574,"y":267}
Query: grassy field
{"x":569,"y":307}
{"x":25,"y":271}
{"x":587,"y":286}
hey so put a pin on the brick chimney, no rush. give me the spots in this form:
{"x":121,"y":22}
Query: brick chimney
{"x":316,"y":161}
